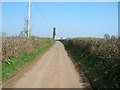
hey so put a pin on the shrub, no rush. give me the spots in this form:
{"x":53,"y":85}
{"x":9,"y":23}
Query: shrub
{"x":16,"y":46}
{"x":101,"y":59}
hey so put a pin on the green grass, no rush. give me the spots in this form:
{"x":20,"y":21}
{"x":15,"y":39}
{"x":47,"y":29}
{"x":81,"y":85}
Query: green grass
{"x":10,"y":66}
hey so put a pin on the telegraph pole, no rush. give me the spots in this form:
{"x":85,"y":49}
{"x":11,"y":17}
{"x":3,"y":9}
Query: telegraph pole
{"x":28,"y":23}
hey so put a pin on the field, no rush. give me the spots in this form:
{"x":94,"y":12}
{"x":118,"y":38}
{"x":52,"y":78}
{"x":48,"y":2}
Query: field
{"x":99,"y":59}
{"x":18,"y":51}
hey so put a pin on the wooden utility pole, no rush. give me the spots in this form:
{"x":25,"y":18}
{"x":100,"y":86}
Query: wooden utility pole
{"x":28,"y":23}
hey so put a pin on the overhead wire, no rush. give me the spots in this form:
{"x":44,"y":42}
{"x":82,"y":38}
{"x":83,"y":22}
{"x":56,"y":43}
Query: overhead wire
{"x":42,"y":15}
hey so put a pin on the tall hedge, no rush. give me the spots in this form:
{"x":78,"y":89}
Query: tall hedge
{"x":101,"y":57}
{"x":16,"y":46}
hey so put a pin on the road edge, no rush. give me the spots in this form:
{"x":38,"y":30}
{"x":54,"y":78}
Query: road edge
{"x":19,"y":73}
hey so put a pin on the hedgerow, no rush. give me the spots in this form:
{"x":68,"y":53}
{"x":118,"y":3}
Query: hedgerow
{"x":100,"y":57}
{"x":13,"y":47}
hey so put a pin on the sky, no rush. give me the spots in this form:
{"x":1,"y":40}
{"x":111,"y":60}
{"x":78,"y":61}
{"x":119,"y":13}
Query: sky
{"x":61,"y":0}
{"x":71,"y":19}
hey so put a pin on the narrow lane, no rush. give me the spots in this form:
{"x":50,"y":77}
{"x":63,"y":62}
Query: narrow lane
{"x":53,"y":70}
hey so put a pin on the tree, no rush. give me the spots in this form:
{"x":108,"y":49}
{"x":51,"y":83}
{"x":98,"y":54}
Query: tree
{"x":112,"y":36}
{"x":24,"y":32}
{"x":106,"y":36}
{"x":21,"y":34}
{"x":54,"y":33}
{"x":3,"y":34}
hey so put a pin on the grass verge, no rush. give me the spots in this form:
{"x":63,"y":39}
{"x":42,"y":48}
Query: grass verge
{"x":10,"y":66}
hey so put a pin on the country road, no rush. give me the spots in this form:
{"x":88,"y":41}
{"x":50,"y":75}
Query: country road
{"x":53,"y":70}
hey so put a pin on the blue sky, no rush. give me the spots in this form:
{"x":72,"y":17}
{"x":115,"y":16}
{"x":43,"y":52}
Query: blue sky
{"x":78,"y":19}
